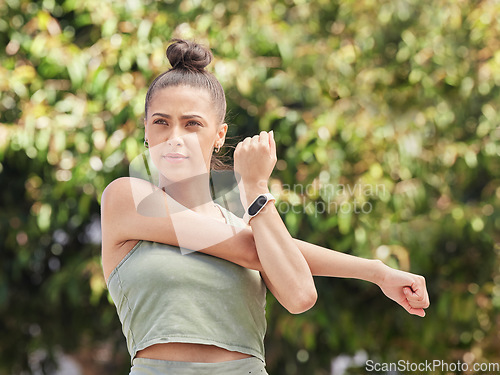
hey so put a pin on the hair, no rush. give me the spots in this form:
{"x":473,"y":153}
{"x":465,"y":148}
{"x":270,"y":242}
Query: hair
{"x":188,"y":60}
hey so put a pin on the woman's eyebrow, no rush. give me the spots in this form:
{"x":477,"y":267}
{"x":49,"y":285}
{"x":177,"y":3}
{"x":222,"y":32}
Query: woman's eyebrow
{"x":183,"y":117}
{"x":161,"y":114}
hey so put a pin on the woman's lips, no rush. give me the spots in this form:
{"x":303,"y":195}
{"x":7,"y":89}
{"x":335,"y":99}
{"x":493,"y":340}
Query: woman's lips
{"x":175,"y":158}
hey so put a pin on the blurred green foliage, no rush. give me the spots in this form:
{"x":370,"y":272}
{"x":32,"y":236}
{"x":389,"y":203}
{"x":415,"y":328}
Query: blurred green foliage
{"x":400,"y":95}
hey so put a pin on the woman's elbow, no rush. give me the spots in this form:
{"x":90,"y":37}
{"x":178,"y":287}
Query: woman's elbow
{"x":250,"y":256}
{"x":250,"y":259}
{"x":303,"y":302}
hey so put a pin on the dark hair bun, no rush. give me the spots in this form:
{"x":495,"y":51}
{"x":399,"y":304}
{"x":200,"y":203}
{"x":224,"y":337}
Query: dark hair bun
{"x":184,"y":54}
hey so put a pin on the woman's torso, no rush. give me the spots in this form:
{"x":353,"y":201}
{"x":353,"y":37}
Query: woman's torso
{"x":173,"y":351}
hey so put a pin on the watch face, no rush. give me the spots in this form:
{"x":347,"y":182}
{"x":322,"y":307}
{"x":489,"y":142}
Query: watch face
{"x":257,"y":205}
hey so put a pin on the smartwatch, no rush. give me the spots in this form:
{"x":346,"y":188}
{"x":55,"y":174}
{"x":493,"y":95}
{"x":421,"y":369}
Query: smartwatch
{"x":256,"y":206}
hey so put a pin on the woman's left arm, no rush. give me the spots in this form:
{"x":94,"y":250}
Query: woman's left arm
{"x":284,"y":268}
{"x":288,"y":264}
{"x":407,"y":289}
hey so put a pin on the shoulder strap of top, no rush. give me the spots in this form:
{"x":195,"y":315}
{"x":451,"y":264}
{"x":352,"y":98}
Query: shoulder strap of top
{"x":231,"y":218}
{"x":223,"y":211}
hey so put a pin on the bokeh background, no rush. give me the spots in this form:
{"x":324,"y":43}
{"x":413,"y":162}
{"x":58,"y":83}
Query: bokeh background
{"x":401,"y":94}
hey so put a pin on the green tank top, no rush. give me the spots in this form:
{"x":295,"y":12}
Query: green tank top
{"x":164,"y":296}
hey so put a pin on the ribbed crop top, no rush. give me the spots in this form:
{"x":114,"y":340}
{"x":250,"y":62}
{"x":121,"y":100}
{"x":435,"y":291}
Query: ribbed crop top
{"x":164,"y":296}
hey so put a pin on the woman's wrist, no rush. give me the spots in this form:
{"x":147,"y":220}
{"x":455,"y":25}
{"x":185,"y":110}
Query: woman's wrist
{"x":251,"y":190}
{"x":378,"y":271}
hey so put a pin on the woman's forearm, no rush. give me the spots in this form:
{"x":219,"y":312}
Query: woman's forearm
{"x":326,"y":262}
{"x":321,"y":261}
{"x":407,"y":289}
{"x":282,"y":262}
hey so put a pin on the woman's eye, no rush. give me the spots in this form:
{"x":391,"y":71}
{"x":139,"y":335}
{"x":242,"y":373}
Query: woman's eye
{"x":194,"y":123}
{"x":160,"y":121}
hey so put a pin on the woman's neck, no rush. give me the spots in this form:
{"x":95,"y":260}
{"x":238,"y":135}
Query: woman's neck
{"x":193,"y":193}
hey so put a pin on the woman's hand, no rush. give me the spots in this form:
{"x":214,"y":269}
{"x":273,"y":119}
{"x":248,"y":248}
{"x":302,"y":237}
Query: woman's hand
{"x":405,"y":288}
{"x":255,"y":158}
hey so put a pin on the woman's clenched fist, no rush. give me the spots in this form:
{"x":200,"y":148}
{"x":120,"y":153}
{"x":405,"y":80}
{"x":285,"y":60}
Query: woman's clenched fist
{"x":254,"y":159}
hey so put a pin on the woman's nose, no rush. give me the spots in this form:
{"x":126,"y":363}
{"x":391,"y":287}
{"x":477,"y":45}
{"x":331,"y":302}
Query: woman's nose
{"x":175,"y":136}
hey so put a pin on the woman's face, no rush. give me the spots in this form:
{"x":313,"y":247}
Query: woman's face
{"x":182,"y":120}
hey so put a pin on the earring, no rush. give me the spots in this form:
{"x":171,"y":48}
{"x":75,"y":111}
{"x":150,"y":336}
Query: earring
{"x":146,"y":144}
{"x":218,"y":148}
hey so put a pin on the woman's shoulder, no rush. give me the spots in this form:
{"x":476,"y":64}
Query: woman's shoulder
{"x":127,"y":184}
{"x":125,"y":194}
{"x":128,"y":188}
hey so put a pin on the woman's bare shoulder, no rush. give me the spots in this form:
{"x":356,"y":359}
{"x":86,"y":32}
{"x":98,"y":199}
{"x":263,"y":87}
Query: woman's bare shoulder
{"x":124,"y":190}
{"x":132,"y":199}
{"x":128,"y":185}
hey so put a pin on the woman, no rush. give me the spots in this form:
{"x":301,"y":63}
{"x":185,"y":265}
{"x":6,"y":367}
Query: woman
{"x":203,"y":311}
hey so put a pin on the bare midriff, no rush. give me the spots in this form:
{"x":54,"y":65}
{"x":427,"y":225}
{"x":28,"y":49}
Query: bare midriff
{"x":188,"y":352}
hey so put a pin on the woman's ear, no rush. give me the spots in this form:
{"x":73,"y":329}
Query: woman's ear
{"x":221,"y":133}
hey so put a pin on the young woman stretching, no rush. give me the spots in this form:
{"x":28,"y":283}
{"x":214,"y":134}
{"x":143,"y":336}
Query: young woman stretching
{"x":203,"y":311}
